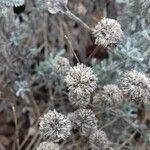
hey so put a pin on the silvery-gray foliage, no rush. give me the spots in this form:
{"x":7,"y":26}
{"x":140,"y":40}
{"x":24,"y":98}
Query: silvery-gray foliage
{"x":45,"y":67}
{"x":47,"y":70}
{"x":21,"y":87}
{"x":136,"y":15}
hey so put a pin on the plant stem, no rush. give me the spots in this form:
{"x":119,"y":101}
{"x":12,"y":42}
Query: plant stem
{"x":127,"y":141}
{"x":16,"y":126}
{"x":69,"y":14}
{"x":72,"y":50}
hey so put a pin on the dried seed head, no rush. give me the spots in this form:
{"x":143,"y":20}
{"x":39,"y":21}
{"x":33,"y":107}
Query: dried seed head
{"x":55,"y":126}
{"x":81,"y":80}
{"x":61,"y":66}
{"x":56,"y":6}
{"x":48,"y":146}
{"x":85,"y":120}
{"x":98,"y":140}
{"x":107,"y":32}
{"x":108,"y":96}
{"x":136,"y":86}
{"x":80,"y":102}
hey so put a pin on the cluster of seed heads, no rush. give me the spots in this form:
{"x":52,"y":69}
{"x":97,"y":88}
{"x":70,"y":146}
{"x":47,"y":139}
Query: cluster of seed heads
{"x":82,"y":84}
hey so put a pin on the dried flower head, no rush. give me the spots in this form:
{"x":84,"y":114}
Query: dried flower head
{"x":136,"y":86}
{"x":48,"y":146}
{"x":55,"y":126}
{"x":81,"y":101}
{"x":56,"y":6}
{"x":81,"y":80}
{"x":107,"y":32}
{"x":98,"y":140}
{"x":85,"y":120}
{"x":61,"y":65}
{"x":108,"y":96}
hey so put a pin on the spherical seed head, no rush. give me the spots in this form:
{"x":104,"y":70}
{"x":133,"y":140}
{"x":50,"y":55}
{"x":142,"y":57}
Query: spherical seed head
{"x":80,"y":102}
{"x":61,"y":66}
{"x":48,"y":146}
{"x":56,"y":6}
{"x":109,"y":96}
{"x":81,"y":80}
{"x":136,"y":86}
{"x":98,"y":140}
{"x":107,"y":32}
{"x":85,"y":120}
{"x":55,"y":126}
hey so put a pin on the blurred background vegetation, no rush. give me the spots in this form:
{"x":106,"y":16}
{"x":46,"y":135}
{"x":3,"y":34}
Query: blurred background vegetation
{"x":30,"y":39}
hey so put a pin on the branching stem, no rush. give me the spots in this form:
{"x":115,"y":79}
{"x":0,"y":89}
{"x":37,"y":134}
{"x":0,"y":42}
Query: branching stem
{"x":69,"y":14}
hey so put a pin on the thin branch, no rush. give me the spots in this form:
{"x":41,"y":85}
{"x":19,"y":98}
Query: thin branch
{"x":69,"y":14}
{"x":33,"y":141}
{"x":34,"y":104}
{"x":92,"y":54}
{"x":127,"y":141}
{"x":109,"y":123}
{"x":71,"y":48}
{"x":16,"y":128}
